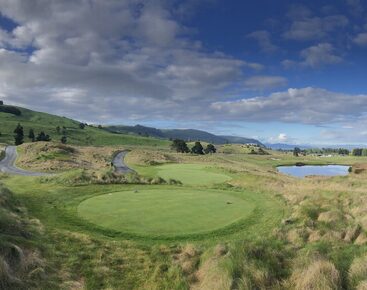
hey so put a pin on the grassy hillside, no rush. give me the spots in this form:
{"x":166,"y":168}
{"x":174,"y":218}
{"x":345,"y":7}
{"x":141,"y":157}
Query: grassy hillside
{"x":22,"y":265}
{"x":48,"y":123}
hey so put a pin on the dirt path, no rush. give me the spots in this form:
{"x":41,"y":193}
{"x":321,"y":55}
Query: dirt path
{"x":7,"y":165}
{"x":119,"y":164}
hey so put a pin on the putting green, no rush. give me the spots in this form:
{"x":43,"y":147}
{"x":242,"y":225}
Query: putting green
{"x":192,"y":174}
{"x":165,"y":212}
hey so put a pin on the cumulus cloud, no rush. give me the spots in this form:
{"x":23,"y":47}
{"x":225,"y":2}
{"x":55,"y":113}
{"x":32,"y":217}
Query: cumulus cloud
{"x":315,"y":56}
{"x":282,"y":137}
{"x":109,"y":60}
{"x":265,"y":82}
{"x":306,"y":105}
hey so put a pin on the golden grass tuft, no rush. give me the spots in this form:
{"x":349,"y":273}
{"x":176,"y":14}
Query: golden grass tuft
{"x":358,"y":271}
{"x":361,"y":239}
{"x":362,"y":285}
{"x":329,"y":216}
{"x":210,"y":276}
{"x":319,"y":275}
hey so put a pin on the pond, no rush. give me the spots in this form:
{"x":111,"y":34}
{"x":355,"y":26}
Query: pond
{"x":323,"y":170}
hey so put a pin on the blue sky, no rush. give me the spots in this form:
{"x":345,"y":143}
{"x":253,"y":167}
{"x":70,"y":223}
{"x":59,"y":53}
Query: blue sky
{"x":280,"y":71}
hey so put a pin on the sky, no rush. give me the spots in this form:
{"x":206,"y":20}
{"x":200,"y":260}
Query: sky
{"x":280,"y":71}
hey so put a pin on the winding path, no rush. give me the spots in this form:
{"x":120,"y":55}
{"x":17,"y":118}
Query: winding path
{"x":7,"y":165}
{"x":119,"y":164}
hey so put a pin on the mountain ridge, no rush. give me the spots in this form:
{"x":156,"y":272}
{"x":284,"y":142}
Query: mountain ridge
{"x":185,"y":134}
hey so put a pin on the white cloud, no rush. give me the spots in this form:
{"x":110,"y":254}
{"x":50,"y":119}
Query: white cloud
{"x":306,"y":105}
{"x":109,"y":59}
{"x":315,"y":56}
{"x":265,"y":82}
{"x":305,"y":27}
{"x":282,"y":137}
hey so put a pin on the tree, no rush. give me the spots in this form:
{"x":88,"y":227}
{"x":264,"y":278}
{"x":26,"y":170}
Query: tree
{"x":64,"y":139}
{"x":210,"y":148}
{"x":357,"y":152}
{"x":31,"y":134}
{"x":19,"y":135}
{"x":197,"y":149}
{"x":296,"y":151}
{"x":81,"y":126}
{"x":58,"y":130}
{"x":342,"y":151}
{"x":43,"y":137}
{"x":180,"y":146}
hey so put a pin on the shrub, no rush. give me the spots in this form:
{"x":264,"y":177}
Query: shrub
{"x":174,"y":182}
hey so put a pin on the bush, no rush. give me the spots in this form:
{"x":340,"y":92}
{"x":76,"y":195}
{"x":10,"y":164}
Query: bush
{"x":174,"y":182}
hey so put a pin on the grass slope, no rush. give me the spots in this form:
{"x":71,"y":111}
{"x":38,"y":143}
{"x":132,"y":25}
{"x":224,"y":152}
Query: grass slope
{"x":48,"y":123}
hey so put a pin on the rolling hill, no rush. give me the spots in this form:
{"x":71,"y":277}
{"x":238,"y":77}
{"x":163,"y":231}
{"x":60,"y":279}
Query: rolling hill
{"x":48,"y":123}
{"x":10,"y":116}
{"x":185,"y":134}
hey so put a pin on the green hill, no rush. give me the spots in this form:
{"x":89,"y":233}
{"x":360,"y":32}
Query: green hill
{"x":90,"y":135}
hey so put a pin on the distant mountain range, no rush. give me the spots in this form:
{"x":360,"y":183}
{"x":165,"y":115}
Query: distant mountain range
{"x":282,"y":146}
{"x":185,"y":134}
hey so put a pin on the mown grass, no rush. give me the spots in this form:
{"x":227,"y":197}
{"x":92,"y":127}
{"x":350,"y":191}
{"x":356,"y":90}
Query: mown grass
{"x":188,"y":174}
{"x":171,"y":212}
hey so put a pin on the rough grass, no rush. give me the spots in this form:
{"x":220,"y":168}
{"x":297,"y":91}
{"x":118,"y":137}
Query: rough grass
{"x":358,"y":272}
{"x":21,"y":263}
{"x":320,"y":275}
{"x":51,"y":156}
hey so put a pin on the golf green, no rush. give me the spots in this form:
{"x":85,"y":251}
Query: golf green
{"x":192,"y":174}
{"x":165,"y":212}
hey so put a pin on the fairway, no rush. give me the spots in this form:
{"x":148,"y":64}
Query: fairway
{"x":192,"y":174}
{"x":165,"y":212}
